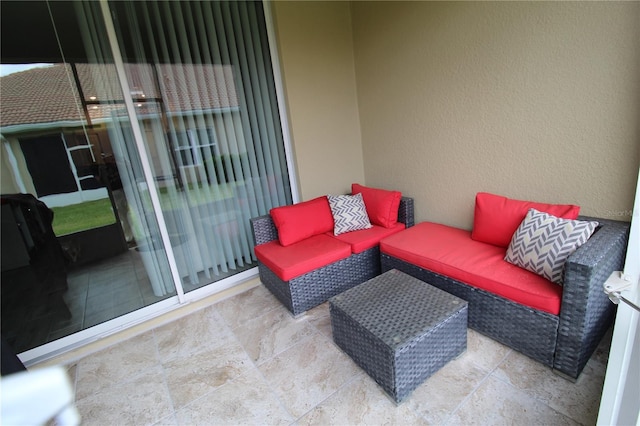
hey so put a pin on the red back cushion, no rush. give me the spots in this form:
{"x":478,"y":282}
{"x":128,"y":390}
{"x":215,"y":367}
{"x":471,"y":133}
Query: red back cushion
{"x":496,"y":218}
{"x":382,"y":205}
{"x":303,"y":220}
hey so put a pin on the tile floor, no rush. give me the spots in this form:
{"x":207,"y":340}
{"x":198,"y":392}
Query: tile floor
{"x":113,"y":287}
{"x":97,"y":292}
{"x":246,"y":360}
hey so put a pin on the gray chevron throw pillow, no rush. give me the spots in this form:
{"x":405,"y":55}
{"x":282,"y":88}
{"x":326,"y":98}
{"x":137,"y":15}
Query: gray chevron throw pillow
{"x":349,"y":213}
{"x":542,"y":243}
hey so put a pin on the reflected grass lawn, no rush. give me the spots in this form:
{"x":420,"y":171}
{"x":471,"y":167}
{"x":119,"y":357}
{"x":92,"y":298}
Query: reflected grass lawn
{"x":94,"y":214}
{"x":83,"y":216}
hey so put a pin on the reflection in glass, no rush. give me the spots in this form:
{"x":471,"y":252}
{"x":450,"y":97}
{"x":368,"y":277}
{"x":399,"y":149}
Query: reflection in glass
{"x":196,"y":80}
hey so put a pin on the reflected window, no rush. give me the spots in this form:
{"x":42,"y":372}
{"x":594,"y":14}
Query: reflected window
{"x":193,"y":150}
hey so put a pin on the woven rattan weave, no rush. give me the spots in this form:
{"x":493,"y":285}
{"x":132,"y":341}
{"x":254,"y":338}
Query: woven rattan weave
{"x":311,"y":289}
{"x":399,"y":329}
{"x":564,"y":342}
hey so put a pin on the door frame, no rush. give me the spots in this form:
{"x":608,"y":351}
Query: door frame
{"x":619,"y":403}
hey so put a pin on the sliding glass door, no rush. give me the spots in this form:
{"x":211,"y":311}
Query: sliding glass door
{"x":165,"y":117}
{"x":204,"y":96}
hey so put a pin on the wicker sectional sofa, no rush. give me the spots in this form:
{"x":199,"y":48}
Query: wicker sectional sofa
{"x":557,"y":325}
{"x":306,"y":273}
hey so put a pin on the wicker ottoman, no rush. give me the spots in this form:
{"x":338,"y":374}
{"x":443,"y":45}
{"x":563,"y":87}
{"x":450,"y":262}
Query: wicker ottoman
{"x":400,"y":330}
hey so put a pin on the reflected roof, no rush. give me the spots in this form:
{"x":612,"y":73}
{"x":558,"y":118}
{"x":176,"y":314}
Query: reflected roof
{"x":50,"y":94}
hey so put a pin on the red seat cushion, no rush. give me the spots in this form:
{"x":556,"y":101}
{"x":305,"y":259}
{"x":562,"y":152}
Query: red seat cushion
{"x":367,"y":238}
{"x":382,"y":205}
{"x":451,"y":252}
{"x":303,"y":220}
{"x":496,"y":218}
{"x":289,"y":262}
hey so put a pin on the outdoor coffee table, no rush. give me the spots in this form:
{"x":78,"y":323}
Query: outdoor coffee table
{"x":398,"y":329}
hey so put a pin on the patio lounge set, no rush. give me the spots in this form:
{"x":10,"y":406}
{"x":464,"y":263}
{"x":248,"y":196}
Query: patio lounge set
{"x":528,"y":275}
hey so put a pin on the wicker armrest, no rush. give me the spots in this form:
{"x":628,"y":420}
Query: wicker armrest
{"x":405,"y":212}
{"x":264,"y":230}
{"x":589,"y":266}
{"x":586,"y":311}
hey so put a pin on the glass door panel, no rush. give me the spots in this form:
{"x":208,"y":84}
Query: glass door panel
{"x":213,"y":136}
{"x":152,"y":157}
{"x":84,"y":249}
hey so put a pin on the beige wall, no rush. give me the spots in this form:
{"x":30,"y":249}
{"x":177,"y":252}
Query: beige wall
{"x":535,"y":100}
{"x":316,"y":55}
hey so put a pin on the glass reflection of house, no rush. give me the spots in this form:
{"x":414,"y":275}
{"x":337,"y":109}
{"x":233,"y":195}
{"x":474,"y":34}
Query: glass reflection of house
{"x":52,"y":122}
{"x":56,"y":137}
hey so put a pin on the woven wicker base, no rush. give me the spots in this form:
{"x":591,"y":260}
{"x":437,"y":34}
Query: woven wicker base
{"x":309,"y":290}
{"x":563,"y":342}
{"x":316,"y":287}
{"x":399,"y":330}
{"x":531,"y":332}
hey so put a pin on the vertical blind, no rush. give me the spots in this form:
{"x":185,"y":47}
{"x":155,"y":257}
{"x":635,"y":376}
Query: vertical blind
{"x":200,"y":78}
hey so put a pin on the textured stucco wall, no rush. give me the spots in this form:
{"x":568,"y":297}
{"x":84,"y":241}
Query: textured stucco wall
{"x":535,"y":100}
{"x":316,"y":55}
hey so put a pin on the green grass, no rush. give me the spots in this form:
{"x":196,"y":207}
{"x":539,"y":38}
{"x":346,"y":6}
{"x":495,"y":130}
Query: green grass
{"x":93,"y":214}
{"x":83,"y":216}
{"x":200,"y":194}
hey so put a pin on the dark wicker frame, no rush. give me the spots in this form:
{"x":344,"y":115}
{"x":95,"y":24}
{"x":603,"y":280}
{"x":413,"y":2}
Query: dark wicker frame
{"x":316,"y":287}
{"x":399,"y":338}
{"x":564,"y":342}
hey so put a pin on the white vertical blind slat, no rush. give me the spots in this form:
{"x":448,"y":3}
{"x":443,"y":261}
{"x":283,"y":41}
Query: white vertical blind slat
{"x":222,"y":141}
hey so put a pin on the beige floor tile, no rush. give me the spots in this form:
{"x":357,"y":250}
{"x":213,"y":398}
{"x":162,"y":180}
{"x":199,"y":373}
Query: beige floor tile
{"x":579,"y":400}
{"x":319,"y":317}
{"x":199,"y":332}
{"x":204,"y":366}
{"x":361,"y":402}
{"x":170,"y":420}
{"x":308,"y":373}
{"x":438,"y":397}
{"x":115,"y":364}
{"x":498,"y":403}
{"x":246,"y":306}
{"x":271,"y":333}
{"x":191,"y":377}
{"x":484,"y":351}
{"x":244,"y":401}
{"x":142,"y":401}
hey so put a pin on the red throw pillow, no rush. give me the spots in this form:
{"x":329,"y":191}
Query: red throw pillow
{"x":303,"y":220}
{"x":496,"y":218}
{"x":382,"y":205}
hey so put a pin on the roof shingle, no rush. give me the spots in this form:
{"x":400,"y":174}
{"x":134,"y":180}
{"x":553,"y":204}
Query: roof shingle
{"x":49,"y":94}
